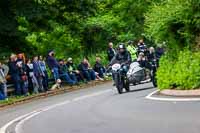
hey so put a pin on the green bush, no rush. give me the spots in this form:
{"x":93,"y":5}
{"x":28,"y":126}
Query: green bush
{"x":174,"y":21}
{"x":181,"y":73}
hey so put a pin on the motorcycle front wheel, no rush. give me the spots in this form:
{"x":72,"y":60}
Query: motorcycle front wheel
{"x":119,"y":83}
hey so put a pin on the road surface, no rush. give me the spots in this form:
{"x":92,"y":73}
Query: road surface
{"x":101,"y":110}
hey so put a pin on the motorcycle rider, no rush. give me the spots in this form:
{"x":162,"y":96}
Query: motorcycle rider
{"x":122,"y":57}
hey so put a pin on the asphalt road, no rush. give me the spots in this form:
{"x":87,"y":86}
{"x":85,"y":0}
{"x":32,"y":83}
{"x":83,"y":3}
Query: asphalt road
{"x":101,"y":110}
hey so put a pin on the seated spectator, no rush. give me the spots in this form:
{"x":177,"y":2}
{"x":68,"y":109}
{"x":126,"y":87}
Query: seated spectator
{"x":45,"y":77}
{"x":32,"y":81}
{"x":86,"y":70}
{"x":73,"y":72}
{"x":63,"y":72}
{"x":3,"y":73}
{"x":99,"y":68}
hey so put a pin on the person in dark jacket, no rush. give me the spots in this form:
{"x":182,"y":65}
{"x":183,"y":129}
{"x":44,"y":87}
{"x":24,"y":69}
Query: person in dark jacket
{"x":99,"y":68}
{"x":152,"y":55}
{"x":111,"y":51}
{"x":73,"y":72}
{"x":53,"y":64}
{"x":159,"y":52}
{"x":122,"y":57}
{"x":63,"y":71}
{"x":141,"y":48}
{"x":16,"y":71}
{"x":86,"y":70}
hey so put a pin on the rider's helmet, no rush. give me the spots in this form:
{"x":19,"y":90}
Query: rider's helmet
{"x":122,"y":47}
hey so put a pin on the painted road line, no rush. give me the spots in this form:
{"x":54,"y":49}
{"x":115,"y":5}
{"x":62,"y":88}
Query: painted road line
{"x":151,"y":97}
{"x":22,"y":119}
{"x":19,"y":126}
{"x":91,"y":95}
{"x":4,"y":128}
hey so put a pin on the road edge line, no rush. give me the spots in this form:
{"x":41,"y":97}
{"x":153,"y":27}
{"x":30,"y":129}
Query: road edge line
{"x":36,"y":112}
{"x":150,"y":97}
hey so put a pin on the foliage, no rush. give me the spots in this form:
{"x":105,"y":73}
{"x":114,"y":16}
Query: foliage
{"x":116,"y":21}
{"x":177,"y":23}
{"x":69,"y":26}
{"x":174,"y":21}
{"x":180,"y":73}
{"x":82,"y":28}
{"x":58,"y":38}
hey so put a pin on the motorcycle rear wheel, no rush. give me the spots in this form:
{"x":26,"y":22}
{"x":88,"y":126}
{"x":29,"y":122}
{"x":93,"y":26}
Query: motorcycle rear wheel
{"x":126,"y":85}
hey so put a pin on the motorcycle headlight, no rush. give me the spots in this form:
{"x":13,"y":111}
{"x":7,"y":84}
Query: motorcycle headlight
{"x":116,"y":67}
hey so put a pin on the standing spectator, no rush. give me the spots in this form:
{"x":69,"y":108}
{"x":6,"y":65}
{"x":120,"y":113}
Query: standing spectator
{"x":38,"y":73}
{"x":141,"y":48}
{"x":63,"y":71}
{"x":22,"y":73}
{"x":159,"y":52}
{"x":151,"y":56}
{"x":132,"y":50}
{"x":3,"y":88}
{"x":99,"y":68}
{"x":143,"y":61}
{"x":73,"y":72}
{"x":111,"y":51}
{"x":85,"y":69}
{"x":43,"y":68}
{"x":53,"y":64}
{"x":33,"y":83}
{"x":15,"y":74}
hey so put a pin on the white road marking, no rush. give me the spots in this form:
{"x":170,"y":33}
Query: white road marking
{"x":3,"y":129}
{"x":90,"y":95}
{"x":151,"y":97}
{"x":22,"y":119}
{"x":19,"y":126}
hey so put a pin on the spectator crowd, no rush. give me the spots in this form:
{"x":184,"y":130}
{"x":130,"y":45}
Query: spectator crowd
{"x":31,"y":75}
